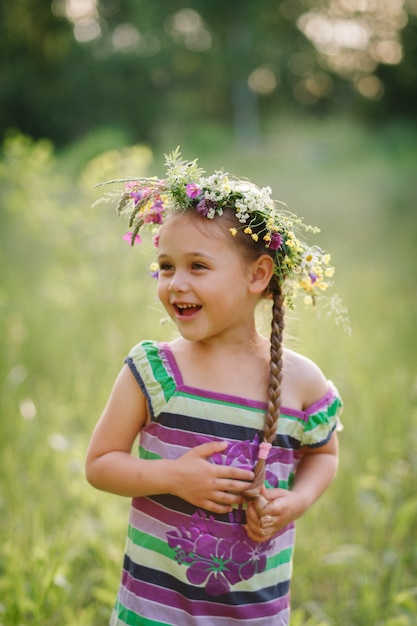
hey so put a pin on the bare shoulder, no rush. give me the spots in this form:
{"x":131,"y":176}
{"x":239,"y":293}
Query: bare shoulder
{"x":304,"y":378}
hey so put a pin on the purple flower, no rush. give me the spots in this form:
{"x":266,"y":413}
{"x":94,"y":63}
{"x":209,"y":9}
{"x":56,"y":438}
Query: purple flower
{"x":276,"y":241}
{"x":252,"y":557}
{"x":192,"y":190}
{"x":313,"y":277}
{"x":204,"y":206}
{"x":137,"y":196}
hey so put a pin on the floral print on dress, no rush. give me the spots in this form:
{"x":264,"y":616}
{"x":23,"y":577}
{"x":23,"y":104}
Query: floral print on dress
{"x":242,"y":454}
{"x":213,"y":560}
{"x":219,"y":555}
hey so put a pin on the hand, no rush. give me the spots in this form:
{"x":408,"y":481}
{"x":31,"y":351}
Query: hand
{"x":206,"y":485}
{"x":284,"y":507}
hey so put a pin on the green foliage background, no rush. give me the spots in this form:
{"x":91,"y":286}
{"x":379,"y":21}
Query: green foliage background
{"x":74,"y":298}
{"x":57,"y":83}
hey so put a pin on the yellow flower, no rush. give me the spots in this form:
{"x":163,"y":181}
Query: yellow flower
{"x":255,"y":237}
{"x":326,"y":259}
{"x":329,"y":272}
{"x":154,"y":267}
{"x":233,"y":231}
{"x":322,"y":286}
{"x":290,"y":243}
{"x":308,"y":300}
{"x":267,"y":237}
{"x":306,"y":284}
{"x":248,"y":230}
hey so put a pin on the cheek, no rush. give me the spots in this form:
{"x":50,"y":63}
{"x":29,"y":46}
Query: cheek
{"x":162,"y":288}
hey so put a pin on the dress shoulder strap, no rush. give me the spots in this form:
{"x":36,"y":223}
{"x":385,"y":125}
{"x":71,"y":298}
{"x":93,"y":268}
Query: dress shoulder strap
{"x":147,"y":362}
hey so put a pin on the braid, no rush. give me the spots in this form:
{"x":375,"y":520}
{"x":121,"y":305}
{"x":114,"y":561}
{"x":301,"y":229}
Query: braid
{"x":274,"y":399}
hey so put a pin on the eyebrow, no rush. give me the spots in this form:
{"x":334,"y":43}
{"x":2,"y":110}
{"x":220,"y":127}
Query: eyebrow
{"x":190,"y":254}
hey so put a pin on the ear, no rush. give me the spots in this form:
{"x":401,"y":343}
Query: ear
{"x":261,"y":272}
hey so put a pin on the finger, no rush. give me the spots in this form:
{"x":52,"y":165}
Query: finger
{"x":266,"y":522}
{"x":205,"y":450}
{"x":221,"y":503}
{"x":229,"y":494}
{"x":257,"y":534}
{"x":215,"y":507}
{"x":237,"y":473}
{"x":232,"y":485}
{"x":251,"y":515}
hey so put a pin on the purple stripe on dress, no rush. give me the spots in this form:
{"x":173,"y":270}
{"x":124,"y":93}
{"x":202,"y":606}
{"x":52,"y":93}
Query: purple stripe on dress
{"x":323,"y":402}
{"x":161,"y":518}
{"x":156,"y":437}
{"x":147,"y":597}
{"x":222,"y":397}
{"x":159,"y":440}
{"x":157,"y":514}
{"x":180,"y":440}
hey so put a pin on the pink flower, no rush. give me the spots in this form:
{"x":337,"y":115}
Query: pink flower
{"x":129,"y":237}
{"x":276,"y":241}
{"x":155,"y":214}
{"x":204,"y":206}
{"x":192,"y":190}
{"x":132,"y":185}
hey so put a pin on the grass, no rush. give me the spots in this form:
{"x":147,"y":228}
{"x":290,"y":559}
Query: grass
{"x":73,"y":300}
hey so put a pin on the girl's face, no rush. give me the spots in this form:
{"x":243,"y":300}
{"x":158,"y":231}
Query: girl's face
{"x":204,"y":282}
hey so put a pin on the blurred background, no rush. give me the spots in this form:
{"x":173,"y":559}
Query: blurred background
{"x":315,"y":98}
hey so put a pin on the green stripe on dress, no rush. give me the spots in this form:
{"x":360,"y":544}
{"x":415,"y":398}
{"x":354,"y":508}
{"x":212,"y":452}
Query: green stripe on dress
{"x":323,"y":416}
{"x":160,"y":374}
{"x":148,"y":542}
{"x":131,"y":619}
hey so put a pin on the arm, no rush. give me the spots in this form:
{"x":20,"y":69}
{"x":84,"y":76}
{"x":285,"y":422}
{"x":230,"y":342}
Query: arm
{"x":111,"y":467}
{"x":314,"y":474}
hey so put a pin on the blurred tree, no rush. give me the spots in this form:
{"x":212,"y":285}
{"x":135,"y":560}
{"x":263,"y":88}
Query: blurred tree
{"x":371,"y":44}
{"x":37,"y":50}
{"x":69,"y":67}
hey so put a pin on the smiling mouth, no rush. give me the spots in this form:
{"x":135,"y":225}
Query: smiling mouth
{"x":186,"y":310}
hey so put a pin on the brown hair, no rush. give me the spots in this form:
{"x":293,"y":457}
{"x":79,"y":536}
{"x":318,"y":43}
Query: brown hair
{"x":274,"y":398}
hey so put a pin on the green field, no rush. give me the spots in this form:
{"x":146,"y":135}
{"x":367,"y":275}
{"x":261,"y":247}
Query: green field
{"x":74,"y":298}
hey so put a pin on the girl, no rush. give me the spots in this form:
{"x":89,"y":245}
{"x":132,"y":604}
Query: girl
{"x":237,"y":435}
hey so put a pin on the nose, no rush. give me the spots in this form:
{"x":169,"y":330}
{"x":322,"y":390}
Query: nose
{"x":178,"y":283}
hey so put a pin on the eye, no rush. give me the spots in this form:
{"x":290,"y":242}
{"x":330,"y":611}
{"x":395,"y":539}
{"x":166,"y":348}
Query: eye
{"x":165,"y":267}
{"x":198,"y":266}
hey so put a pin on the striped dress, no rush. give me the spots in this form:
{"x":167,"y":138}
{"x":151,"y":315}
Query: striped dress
{"x":185,"y":566}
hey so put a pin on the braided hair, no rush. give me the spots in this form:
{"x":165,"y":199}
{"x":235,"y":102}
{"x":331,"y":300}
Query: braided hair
{"x":252,"y":249}
{"x":274,"y":400}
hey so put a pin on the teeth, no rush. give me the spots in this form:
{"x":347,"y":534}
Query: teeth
{"x":186,"y":306}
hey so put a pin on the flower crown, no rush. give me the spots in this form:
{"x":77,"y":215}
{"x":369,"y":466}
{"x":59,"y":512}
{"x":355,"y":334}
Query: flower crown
{"x":300,"y":268}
